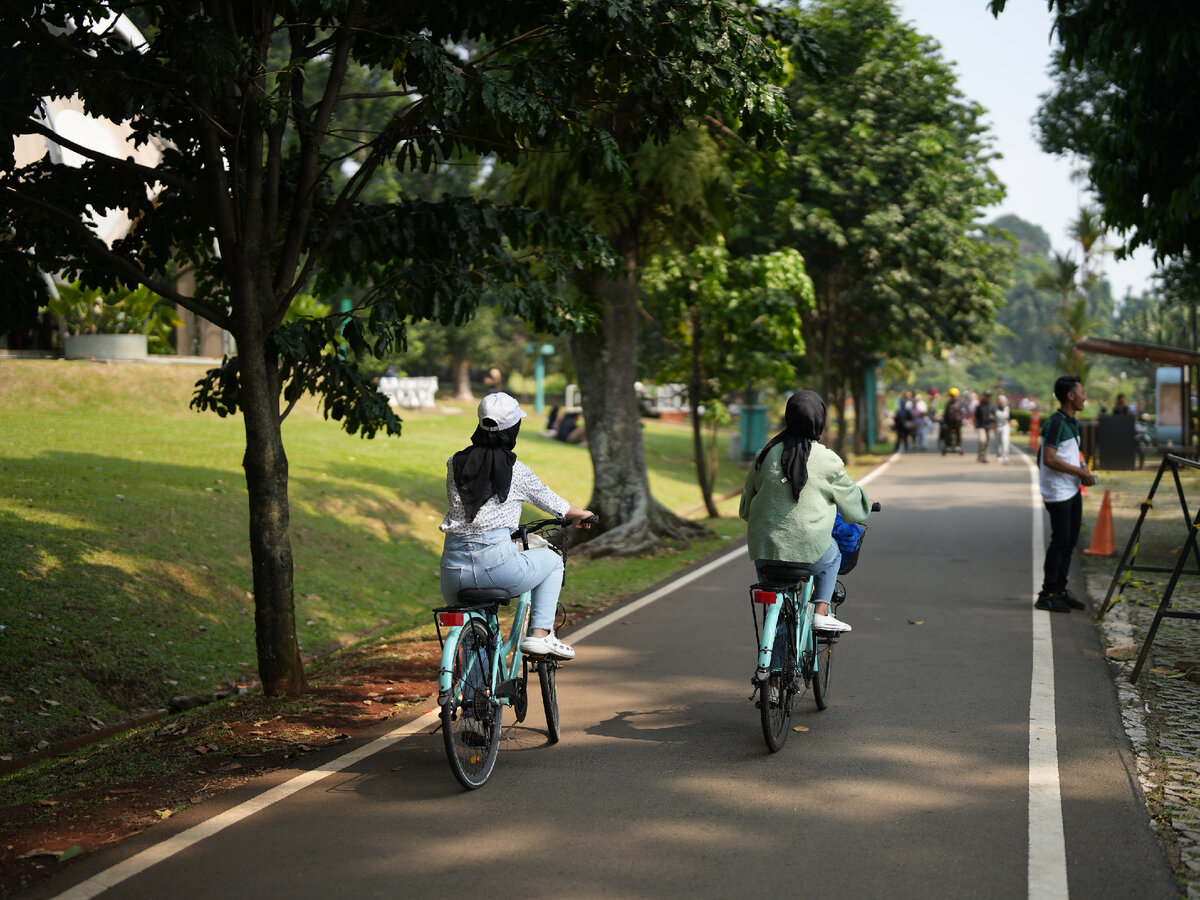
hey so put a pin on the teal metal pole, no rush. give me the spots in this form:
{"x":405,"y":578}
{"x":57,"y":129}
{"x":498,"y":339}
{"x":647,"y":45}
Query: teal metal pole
{"x":871,"y":411}
{"x":539,"y":378}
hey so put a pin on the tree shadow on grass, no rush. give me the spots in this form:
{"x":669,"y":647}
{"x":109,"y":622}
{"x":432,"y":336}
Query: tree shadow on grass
{"x":124,"y":582}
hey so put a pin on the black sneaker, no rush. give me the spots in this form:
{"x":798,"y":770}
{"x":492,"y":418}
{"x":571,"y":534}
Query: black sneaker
{"x":1073,"y":601}
{"x":1052,"y":602}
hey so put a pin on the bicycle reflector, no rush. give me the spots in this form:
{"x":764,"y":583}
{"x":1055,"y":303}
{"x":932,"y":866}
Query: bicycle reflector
{"x":452,"y":618}
{"x":765,"y":597}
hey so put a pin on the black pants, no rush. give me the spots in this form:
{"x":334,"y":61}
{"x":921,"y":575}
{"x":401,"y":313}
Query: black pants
{"x":1065,"y":518}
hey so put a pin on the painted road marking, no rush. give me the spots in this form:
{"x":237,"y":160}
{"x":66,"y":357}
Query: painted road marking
{"x":1047,"y":843}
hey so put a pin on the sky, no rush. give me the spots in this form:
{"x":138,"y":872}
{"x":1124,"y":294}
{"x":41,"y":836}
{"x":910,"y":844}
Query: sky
{"x":1001,"y":64}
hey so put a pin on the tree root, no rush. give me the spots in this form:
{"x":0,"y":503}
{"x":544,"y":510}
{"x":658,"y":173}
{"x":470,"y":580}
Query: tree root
{"x":644,"y":536}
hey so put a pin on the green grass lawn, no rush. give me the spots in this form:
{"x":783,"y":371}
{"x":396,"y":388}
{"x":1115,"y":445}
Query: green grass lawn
{"x":124,"y":560}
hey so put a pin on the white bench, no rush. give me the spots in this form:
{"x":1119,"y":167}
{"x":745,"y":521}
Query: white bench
{"x":659,"y":398}
{"x":410,"y":393}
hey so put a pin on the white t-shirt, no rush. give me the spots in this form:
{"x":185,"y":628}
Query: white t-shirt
{"x":1062,"y":433}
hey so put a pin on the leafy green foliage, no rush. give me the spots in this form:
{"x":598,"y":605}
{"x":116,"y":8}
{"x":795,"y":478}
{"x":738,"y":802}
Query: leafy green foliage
{"x":1126,"y":100}
{"x":280,"y":84}
{"x":880,"y":189}
{"x":739,"y":316}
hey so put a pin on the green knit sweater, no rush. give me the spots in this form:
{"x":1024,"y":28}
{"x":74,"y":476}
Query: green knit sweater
{"x":798,"y":531}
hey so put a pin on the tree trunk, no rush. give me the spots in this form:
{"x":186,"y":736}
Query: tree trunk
{"x":694,"y":397}
{"x":460,"y":373}
{"x":266,"y":468}
{"x":839,"y":407}
{"x":858,"y":391}
{"x":631,"y":520}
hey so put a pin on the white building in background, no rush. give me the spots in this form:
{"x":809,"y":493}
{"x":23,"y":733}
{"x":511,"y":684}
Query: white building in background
{"x":66,"y":117}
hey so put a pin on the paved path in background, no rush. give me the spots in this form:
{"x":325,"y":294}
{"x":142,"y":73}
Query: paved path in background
{"x":914,"y":783}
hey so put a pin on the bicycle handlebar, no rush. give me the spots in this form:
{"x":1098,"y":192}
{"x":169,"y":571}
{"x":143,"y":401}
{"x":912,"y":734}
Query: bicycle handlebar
{"x":537,"y":526}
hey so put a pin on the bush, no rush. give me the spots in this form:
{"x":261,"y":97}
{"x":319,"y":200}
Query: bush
{"x":138,"y":310}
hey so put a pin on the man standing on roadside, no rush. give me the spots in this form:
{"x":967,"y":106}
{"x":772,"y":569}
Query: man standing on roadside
{"x":1061,"y":470}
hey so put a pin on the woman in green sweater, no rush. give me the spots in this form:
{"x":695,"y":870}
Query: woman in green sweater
{"x":792,"y":493}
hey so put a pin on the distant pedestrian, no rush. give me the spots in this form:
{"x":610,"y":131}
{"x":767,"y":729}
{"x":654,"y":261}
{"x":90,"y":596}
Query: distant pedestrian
{"x":902,"y":422}
{"x":1061,"y":470}
{"x":1121,"y":408}
{"x":1003,"y":434}
{"x":985,"y":424}
{"x":952,"y":422}
{"x":921,"y":421}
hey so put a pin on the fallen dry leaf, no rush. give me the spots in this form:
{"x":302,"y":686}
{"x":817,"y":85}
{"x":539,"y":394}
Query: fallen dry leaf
{"x":799,"y":728}
{"x":916,"y":621}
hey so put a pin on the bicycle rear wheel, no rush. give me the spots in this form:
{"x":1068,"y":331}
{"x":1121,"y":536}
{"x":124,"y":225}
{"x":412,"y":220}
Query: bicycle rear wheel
{"x":470,"y":720}
{"x":547,"y":669}
{"x":823,"y":656}
{"x":776,"y":693}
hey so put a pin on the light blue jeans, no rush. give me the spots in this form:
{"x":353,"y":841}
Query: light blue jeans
{"x":824,"y":570}
{"x":492,"y":560}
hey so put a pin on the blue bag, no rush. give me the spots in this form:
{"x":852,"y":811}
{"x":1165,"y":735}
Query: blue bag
{"x":849,"y":540}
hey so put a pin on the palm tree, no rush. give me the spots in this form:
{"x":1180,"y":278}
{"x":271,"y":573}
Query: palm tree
{"x":1060,"y":279}
{"x":1089,"y":231}
{"x":1073,"y":325}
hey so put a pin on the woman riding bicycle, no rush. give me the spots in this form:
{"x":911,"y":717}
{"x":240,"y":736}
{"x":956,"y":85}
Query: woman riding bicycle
{"x":486,"y":486}
{"x":792,"y":494}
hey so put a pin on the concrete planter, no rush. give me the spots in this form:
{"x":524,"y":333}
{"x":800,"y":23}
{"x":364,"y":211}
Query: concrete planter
{"x":105,"y":346}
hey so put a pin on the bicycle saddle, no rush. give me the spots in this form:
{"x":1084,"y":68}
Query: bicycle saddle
{"x":783,"y":574}
{"x":483,"y":595}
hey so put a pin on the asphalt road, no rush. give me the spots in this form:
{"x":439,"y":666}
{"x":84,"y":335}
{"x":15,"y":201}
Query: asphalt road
{"x":915,"y":782}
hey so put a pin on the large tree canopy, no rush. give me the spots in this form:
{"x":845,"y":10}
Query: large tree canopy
{"x":881,"y":191}
{"x":677,"y":184}
{"x":267,"y":180}
{"x":1127,"y":100}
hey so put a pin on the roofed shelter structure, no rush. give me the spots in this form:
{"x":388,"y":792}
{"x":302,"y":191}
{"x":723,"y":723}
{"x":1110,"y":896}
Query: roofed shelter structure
{"x":1156,"y":353}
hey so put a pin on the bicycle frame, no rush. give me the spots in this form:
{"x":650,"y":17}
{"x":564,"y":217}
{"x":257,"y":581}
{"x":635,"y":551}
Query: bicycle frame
{"x":773,"y":597}
{"x":505,"y":668}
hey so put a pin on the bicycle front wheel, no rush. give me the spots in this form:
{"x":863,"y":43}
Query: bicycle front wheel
{"x":823,"y":658}
{"x":776,"y":693}
{"x":470,"y":720}
{"x":546,"y":673}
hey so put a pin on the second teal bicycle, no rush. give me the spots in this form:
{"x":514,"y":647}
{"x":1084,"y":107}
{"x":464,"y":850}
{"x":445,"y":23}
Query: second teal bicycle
{"x":792,"y":655}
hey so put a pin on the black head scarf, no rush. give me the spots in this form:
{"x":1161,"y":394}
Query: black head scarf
{"x":485,"y":468}
{"x":803,"y":422}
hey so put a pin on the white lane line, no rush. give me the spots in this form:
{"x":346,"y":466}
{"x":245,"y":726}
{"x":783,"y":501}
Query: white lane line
{"x":1047,"y":843}
{"x":114,"y":875}
{"x":141,"y":861}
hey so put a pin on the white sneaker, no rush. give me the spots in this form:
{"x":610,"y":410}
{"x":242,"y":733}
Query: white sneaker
{"x":829,"y":623}
{"x":547,"y":645}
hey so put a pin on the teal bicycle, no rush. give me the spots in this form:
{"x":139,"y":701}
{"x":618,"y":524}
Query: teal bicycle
{"x":483,"y":671}
{"x":792,"y":655}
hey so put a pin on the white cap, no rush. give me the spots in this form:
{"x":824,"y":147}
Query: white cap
{"x":499,"y":411}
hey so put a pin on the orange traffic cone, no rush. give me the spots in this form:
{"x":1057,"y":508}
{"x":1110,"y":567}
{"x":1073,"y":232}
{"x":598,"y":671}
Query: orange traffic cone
{"x":1102,"y":537}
